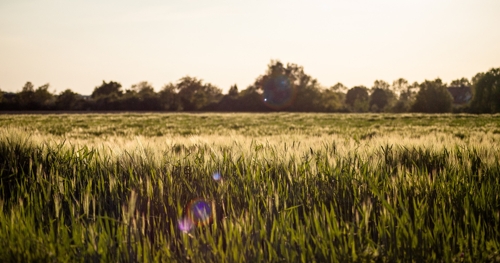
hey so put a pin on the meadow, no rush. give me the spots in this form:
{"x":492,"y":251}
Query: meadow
{"x":278,"y":187}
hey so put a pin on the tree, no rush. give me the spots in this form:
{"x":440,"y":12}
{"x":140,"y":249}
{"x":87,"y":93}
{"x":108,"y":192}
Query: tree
{"x":357,"y":99}
{"x":288,"y":87}
{"x":68,"y":100}
{"x":42,"y":98}
{"x":339,"y":87}
{"x":194,"y":94}
{"x":107,"y":96}
{"x":381,"y":84}
{"x":460,"y":83}
{"x":169,"y":98}
{"x":487,"y":92}
{"x":143,"y":88}
{"x":233,"y":91}
{"x":400,"y":85}
{"x":333,"y":100}
{"x":407,"y":94}
{"x":381,"y":97}
{"x":378,"y":100}
{"x":433,"y":97}
{"x":25,"y":97}
{"x":107,"y":89}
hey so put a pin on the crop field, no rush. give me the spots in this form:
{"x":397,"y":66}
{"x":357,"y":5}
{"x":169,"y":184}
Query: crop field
{"x":280,"y":187}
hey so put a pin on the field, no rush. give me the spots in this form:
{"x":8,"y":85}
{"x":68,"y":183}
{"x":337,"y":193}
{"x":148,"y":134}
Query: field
{"x":279,"y":187}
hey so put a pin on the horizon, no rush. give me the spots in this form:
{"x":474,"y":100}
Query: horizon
{"x":78,"y":45}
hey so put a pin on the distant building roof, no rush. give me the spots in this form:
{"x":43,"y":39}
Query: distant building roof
{"x":461,"y":94}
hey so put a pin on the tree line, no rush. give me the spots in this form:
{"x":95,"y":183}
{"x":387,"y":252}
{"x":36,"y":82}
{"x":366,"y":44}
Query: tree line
{"x":281,"y":88}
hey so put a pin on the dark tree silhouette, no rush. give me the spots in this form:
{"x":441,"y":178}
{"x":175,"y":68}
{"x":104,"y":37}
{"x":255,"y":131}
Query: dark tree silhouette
{"x":357,"y":99}
{"x":460,"y":83}
{"x":233,"y":91}
{"x":194,"y":94}
{"x":288,"y":88}
{"x":169,"y":98}
{"x":107,"y":89}
{"x":68,"y":100}
{"x":486,"y":92}
{"x":433,"y":97}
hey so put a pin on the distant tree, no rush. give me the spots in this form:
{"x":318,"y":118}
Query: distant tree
{"x":400,"y":85}
{"x":169,"y":98}
{"x":381,"y":96}
{"x":194,"y":94}
{"x":107,"y":89}
{"x":486,"y":92}
{"x":143,"y":88}
{"x":25,"y":98}
{"x":460,"y":82}
{"x":378,"y":100}
{"x":107,"y":96}
{"x":233,"y":91}
{"x":68,"y":100}
{"x":407,"y":94}
{"x":433,"y":97}
{"x":380,"y":84}
{"x":288,"y":88}
{"x":339,"y":87}
{"x":249,"y":100}
{"x":333,"y":100}
{"x":43,"y":99}
{"x":357,"y":99}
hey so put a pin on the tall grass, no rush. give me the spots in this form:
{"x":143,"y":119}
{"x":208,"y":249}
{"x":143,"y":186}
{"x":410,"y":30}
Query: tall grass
{"x":405,"y":195}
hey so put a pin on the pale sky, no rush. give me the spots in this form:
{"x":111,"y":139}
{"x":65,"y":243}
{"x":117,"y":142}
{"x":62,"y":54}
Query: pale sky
{"x":78,"y":44}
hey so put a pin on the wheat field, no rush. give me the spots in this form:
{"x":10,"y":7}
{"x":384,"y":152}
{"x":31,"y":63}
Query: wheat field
{"x":280,"y":187}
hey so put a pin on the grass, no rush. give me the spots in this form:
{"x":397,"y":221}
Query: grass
{"x":293,"y":188}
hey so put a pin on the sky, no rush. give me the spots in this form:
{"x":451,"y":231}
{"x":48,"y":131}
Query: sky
{"x":78,"y":44}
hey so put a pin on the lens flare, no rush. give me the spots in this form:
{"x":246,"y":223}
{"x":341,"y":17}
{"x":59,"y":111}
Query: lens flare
{"x":185,"y":224}
{"x":216,"y":176}
{"x":279,"y":92}
{"x":199,"y":212}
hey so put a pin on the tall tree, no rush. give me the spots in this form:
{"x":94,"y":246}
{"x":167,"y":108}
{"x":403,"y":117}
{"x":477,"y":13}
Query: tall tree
{"x":333,"y":100}
{"x":107,"y":89}
{"x":487,"y":92}
{"x":407,"y":94}
{"x":357,"y":99}
{"x":141,"y":96}
{"x":233,"y":91}
{"x":288,"y":88}
{"x":68,"y":100}
{"x":399,"y":86}
{"x":26,"y":97}
{"x":43,"y":99}
{"x":339,"y":87}
{"x":169,"y":98}
{"x":194,"y":94}
{"x":433,"y":97}
{"x":381,"y":97}
{"x":381,"y":84}
{"x":107,"y":96}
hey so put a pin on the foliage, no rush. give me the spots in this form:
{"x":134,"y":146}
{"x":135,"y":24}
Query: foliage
{"x":433,"y":97}
{"x":195,"y":95}
{"x":107,"y":89}
{"x":282,"y":87}
{"x":487,"y":92}
{"x":357,"y":98}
